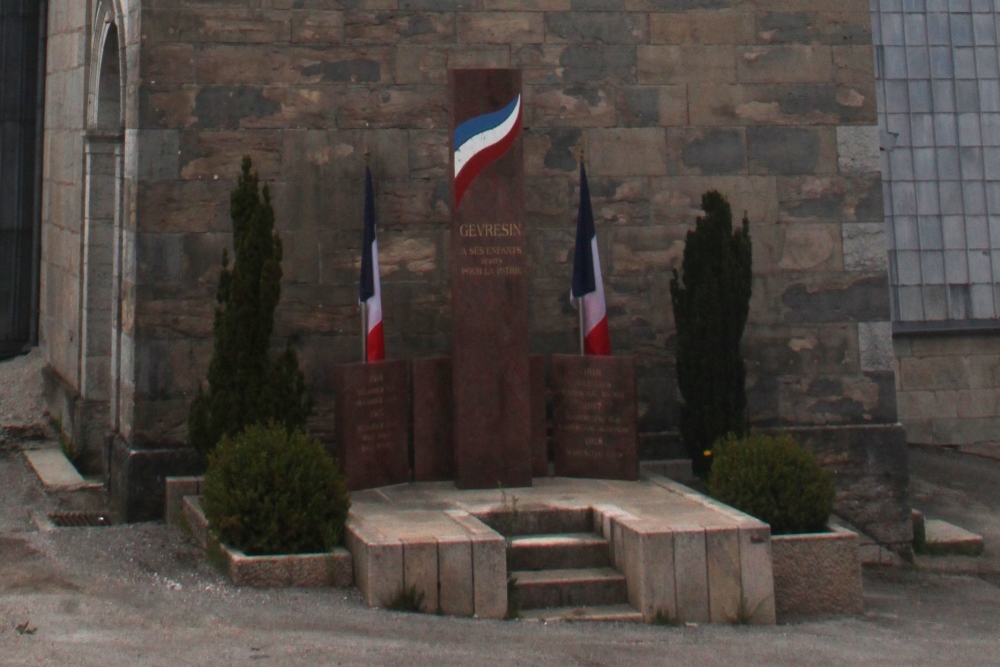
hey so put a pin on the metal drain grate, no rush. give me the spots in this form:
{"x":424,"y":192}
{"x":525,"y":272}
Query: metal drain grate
{"x":79,"y":519}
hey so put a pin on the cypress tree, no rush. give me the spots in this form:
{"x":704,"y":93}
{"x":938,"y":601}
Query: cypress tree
{"x":244,"y":385}
{"x":711,"y":300}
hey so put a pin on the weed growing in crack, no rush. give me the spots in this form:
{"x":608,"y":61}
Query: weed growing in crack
{"x":509,"y":524}
{"x":407,"y":600}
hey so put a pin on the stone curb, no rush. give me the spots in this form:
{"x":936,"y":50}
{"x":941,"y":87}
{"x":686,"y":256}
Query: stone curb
{"x":334,"y":569}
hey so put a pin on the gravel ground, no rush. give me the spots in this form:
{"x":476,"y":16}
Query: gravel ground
{"x":143,"y":594}
{"x":22,"y":404}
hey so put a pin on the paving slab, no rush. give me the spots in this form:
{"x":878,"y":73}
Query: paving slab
{"x":55,"y":471}
{"x":945,"y":538}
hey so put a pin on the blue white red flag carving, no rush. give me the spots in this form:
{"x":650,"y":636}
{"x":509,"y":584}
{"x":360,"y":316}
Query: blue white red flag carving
{"x":588,"y":287}
{"x":370,"y":288}
{"x":482,"y":140}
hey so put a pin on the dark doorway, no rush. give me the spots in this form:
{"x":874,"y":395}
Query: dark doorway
{"x":22,"y":68}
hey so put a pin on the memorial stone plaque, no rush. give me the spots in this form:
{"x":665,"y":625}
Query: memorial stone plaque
{"x":594,"y":417}
{"x":433,"y":453}
{"x":489,"y":291}
{"x":372,"y":410}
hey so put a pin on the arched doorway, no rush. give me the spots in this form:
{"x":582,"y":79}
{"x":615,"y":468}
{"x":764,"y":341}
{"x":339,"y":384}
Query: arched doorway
{"x":100,"y":322}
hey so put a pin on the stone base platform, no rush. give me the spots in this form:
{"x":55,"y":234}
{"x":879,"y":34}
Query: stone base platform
{"x":685,"y":557}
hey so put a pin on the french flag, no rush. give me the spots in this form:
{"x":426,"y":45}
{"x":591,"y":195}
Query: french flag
{"x":482,"y":140}
{"x":588,"y":288}
{"x":370,"y":292}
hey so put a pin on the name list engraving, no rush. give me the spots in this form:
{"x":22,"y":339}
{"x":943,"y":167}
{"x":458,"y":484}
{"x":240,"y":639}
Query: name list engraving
{"x":372,"y":402}
{"x":594,"y":417}
{"x":373,"y":431}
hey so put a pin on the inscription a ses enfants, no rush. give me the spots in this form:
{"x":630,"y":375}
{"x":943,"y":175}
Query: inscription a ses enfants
{"x":492,"y":260}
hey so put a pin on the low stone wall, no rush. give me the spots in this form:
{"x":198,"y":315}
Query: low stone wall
{"x":137,"y":477}
{"x":817,"y":573}
{"x":177,"y":489}
{"x":461,"y":573}
{"x":693,"y":573}
{"x":948,"y":389}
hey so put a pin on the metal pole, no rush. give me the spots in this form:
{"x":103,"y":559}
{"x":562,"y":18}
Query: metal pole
{"x":364,"y":304}
{"x":579,"y":301}
{"x":364,"y":332}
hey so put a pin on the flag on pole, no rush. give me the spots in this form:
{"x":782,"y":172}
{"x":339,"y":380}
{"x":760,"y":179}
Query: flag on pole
{"x":370,"y":293}
{"x":588,"y":288}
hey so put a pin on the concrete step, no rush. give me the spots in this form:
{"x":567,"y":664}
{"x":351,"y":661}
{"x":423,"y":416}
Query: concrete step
{"x":944,"y":538}
{"x":578,"y":587}
{"x":539,"y":521}
{"x":570,"y":550}
{"x":939,"y":538}
{"x":608,"y":613}
{"x":56,"y":472}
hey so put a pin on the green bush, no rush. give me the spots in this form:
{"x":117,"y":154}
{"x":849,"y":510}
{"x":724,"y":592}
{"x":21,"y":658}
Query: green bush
{"x":268,"y":491}
{"x":711,"y":301}
{"x":775,"y":480}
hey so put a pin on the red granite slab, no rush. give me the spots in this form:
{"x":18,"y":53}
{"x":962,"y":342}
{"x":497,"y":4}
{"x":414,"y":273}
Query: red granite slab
{"x":594,"y":417}
{"x":539,"y":419}
{"x":489,"y":300}
{"x":433,"y":453}
{"x":372,"y":411}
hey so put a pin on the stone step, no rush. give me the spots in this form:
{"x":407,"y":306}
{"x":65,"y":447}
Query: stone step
{"x":579,"y":587}
{"x":934,"y":537}
{"x":56,"y":472}
{"x":568,"y":550}
{"x":608,"y":613}
{"x":943,"y":538}
{"x":539,"y":521}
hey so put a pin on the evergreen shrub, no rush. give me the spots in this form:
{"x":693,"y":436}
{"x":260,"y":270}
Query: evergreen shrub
{"x":268,"y":491}
{"x":244,"y":385}
{"x":774,"y":479}
{"x":711,"y":302}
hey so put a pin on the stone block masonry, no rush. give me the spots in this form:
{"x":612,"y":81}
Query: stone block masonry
{"x":771,"y":103}
{"x":948,"y":388}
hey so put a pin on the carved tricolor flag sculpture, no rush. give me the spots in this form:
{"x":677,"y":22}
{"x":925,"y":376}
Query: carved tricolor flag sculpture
{"x":370,"y":293}
{"x":588,"y":288}
{"x":481,"y":140}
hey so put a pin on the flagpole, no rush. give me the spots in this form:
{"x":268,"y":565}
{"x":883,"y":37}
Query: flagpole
{"x":364,"y":304}
{"x":579,"y":300}
{"x":364,"y":332}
